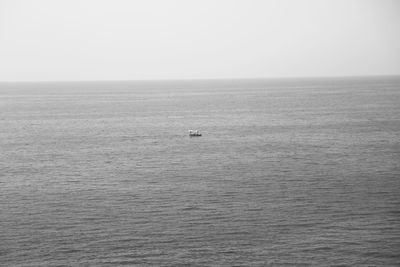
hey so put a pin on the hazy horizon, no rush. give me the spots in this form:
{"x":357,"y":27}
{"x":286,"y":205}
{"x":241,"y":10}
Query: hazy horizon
{"x":188,"y":40}
{"x":216,"y":79}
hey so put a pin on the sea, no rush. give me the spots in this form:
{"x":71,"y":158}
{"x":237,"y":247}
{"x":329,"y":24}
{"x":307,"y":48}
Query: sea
{"x":287,"y":172}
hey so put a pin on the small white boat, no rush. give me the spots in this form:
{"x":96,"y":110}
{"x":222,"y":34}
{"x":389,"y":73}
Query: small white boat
{"x":194,"y":133}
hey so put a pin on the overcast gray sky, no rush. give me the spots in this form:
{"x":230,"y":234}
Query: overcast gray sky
{"x":173,"y":39}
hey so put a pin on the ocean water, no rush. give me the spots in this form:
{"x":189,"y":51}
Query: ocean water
{"x":297,"y":172}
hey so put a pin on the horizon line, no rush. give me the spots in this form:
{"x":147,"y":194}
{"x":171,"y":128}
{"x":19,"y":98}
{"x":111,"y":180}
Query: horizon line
{"x":211,"y":79}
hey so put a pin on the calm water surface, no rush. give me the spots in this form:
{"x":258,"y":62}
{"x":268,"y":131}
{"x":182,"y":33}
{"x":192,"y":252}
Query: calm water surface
{"x":287,"y":173}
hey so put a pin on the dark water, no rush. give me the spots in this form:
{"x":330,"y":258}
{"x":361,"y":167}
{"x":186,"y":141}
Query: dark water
{"x":287,"y":173}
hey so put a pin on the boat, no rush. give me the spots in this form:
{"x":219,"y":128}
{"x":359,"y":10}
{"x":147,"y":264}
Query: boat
{"x":194,"y":133}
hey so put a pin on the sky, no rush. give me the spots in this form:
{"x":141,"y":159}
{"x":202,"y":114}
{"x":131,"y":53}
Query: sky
{"x":56,"y":40}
